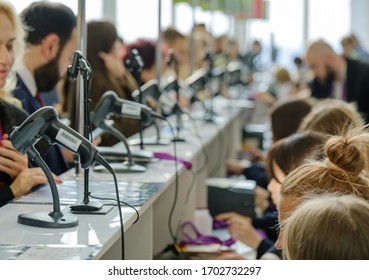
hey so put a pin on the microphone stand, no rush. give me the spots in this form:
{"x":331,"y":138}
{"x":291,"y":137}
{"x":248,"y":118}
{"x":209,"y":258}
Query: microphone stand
{"x":150,"y":87}
{"x":172,"y":60}
{"x":134,"y":65}
{"x":55,"y":218}
{"x":127,"y":167}
{"x":209,"y":111}
{"x":80,"y":64}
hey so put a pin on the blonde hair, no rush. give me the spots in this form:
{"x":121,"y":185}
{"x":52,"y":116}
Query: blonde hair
{"x":328,"y":227}
{"x":344,"y":170}
{"x":330,"y":117}
{"x":9,"y":11}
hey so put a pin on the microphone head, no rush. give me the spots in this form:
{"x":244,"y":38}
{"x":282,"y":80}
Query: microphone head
{"x":104,"y":108}
{"x":72,"y":71}
{"x":25,"y":136}
{"x":151,"y":88}
{"x":197,"y":81}
{"x":134,"y":62}
{"x":44,"y":123}
{"x":171,"y":84}
{"x":219,"y":72}
{"x":208,"y":56}
{"x":171,"y":58}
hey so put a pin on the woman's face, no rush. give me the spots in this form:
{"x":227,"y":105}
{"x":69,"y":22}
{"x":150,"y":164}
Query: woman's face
{"x":274,"y":186}
{"x":7,"y":39}
{"x":287,"y":204}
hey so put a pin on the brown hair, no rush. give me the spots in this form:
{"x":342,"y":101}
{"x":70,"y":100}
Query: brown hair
{"x":170,"y":35}
{"x":101,"y":36}
{"x":330,"y":116}
{"x":287,"y":114}
{"x":290,"y":152}
{"x":345,"y":169}
{"x":328,"y":227}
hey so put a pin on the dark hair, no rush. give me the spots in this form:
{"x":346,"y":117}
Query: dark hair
{"x":290,"y":152}
{"x":286,"y":116}
{"x":101,"y":36}
{"x":146,"y":50}
{"x":43,"y":18}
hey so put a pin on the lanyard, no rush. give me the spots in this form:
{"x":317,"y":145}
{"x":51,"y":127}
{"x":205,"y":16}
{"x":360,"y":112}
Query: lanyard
{"x":196,"y":238}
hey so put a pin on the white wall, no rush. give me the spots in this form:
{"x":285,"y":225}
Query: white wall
{"x":360,"y":21}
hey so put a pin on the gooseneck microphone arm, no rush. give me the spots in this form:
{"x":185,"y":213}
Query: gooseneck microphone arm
{"x":172,"y":61}
{"x":44,"y":123}
{"x":111,"y":105}
{"x":134,"y":65}
{"x":116,"y":133}
{"x":80,"y":64}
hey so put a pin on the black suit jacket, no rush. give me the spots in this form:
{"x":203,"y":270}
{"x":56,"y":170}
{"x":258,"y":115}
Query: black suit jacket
{"x":357,"y":86}
{"x":10,"y":116}
{"x":52,"y":155}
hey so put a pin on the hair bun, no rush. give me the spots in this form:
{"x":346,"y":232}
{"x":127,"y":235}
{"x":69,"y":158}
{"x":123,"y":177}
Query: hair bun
{"x":345,"y":153}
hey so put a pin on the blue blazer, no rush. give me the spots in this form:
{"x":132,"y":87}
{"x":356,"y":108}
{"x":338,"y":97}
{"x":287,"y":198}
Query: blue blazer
{"x":52,"y":155}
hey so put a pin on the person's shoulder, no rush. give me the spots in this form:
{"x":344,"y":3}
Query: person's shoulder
{"x":16,"y":111}
{"x":357,"y":64}
{"x":20,"y":88}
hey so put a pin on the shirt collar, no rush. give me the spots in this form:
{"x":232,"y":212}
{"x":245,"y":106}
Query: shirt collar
{"x":27,"y":78}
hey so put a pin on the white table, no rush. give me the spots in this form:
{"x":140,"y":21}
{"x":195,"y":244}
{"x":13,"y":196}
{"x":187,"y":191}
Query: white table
{"x":150,"y":235}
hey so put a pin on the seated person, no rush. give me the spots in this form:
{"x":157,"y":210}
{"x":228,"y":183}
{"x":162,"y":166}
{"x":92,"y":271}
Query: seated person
{"x":342,"y":171}
{"x":284,"y":156}
{"x":16,"y":179}
{"x":308,"y":231}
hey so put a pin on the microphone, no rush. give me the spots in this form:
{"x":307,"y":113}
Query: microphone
{"x":73,"y":70}
{"x":79,"y":63}
{"x":149,"y":89}
{"x":134,"y":64}
{"x":171,"y":106}
{"x":44,"y":123}
{"x":111,"y":105}
{"x":197,"y":81}
{"x":235,"y":73}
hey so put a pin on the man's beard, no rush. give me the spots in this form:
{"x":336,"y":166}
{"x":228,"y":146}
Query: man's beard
{"x":47,"y":76}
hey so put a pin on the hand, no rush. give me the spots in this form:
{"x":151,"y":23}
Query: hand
{"x":230,"y":256}
{"x":26,"y":180}
{"x":12,"y":162}
{"x":241,"y":229}
{"x":113,"y":64}
{"x":261,"y":198}
{"x":237,"y":166}
{"x":232,"y":217}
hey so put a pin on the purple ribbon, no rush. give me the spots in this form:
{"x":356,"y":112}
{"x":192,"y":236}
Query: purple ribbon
{"x":201,"y":239}
{"x":218,"y":224}
{"x":186,"y":164}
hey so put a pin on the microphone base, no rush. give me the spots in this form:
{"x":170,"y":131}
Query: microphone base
{"x":210,"y":116}
{"x":113,"y":154}
{"x":122,"y":168}
{"x":149,"y":142}
{"x":86,"y":207}
{"x":178,"y":139}
{"x":49,"y":220}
